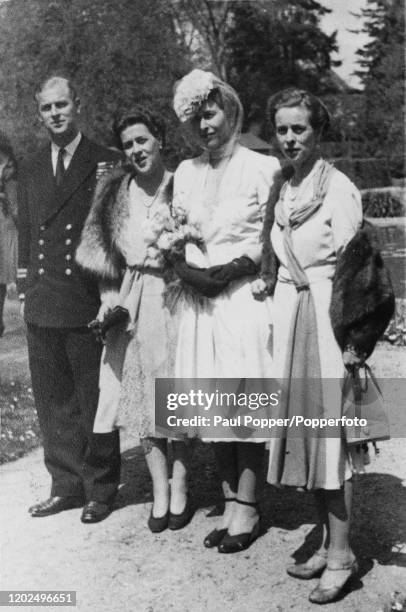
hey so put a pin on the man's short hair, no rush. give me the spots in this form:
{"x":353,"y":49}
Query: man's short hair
{"x":54,"y":80}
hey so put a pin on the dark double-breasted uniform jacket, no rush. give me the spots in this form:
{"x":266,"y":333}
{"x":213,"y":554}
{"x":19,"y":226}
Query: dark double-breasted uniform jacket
{"x":59,"y":302}
{"x":51,"y":218}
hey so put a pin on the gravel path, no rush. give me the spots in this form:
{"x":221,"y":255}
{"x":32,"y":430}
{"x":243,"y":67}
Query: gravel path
{"x":118,"y":565}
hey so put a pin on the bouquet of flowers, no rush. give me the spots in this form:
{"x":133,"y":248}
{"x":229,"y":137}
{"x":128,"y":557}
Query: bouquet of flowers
{"x":154,"y":229}
{"x":167,"y":236}
{"x":178,"y":247}
{"x":171,"y":246}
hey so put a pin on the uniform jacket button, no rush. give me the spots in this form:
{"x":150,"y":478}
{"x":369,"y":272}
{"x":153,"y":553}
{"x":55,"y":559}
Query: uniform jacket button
{"x":41,"y":256}
{"x":68,"y":271}
{"x":68,"y":257}
{"x":41,"y":241}
{"x":68,"y":241}
{"x":42,"y":228}
{"x":68,"y":227}
{"x":41,"y":271}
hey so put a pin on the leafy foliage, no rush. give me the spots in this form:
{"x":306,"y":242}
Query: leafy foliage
{"x":276,"y":45}
{"x":389,"y":202}
{"x":382,"y":70}
{"x":118,"y":53}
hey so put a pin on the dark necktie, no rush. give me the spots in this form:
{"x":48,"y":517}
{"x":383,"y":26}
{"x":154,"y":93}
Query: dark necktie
{"x":60,"y":168}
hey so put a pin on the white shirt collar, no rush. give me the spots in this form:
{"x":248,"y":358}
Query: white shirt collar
{"x":69,"y":151}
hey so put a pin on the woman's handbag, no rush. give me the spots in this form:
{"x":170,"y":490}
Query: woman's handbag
{"x":362,"y":400}
{"x":117,"y":316}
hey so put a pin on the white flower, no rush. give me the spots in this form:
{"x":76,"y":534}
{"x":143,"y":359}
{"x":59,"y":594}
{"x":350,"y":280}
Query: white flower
{"x":152,"y":252}
{"x":165,"y":241}
{"x":179,"y":214}
{"x":162,"y":215}
{"x":191,"y":92}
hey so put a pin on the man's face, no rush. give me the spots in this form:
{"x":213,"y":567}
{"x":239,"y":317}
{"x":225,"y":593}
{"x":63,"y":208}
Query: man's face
{"x":59,"y":111}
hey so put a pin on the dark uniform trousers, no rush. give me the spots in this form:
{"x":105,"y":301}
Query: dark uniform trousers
{"x":64,"y":357}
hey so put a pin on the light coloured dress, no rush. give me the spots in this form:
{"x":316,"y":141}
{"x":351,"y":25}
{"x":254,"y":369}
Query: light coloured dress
{"x":228,"y":336}
{"x":316,"y":244}
{"x":134,"y":357}
{"x":8,"y":235}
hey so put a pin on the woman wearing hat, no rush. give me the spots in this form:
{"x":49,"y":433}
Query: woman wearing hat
{"x":223,"y":192}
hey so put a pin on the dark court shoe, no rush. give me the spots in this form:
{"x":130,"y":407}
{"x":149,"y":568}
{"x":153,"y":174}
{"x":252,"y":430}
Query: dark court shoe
{"x":214,"y":537}
{"x":342,"y":576}
{"x":55,"y":504}
{"x":158,"y":524}
{"x":178,"y":521}
{"x":95,"y":511}
{"x":311,"y":569}
{"x":240,"y":541}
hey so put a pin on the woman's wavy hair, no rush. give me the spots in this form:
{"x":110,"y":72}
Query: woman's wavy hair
{"x":139,"y":114}
{"x":291,"y":97}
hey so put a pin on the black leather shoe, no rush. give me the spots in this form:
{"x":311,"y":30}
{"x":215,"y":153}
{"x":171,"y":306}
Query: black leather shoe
{"x":95,"y":511}
{"x":178,"y":521}
{"x":158,"y":524}
{"x":55,"y":504}
{"x":215,"y":537}
{"x":240,"y":541}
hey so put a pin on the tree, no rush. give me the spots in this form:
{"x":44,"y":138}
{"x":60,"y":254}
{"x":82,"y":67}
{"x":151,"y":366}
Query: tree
{"x":118,"y":53}
{"x":203,"y":25}
{"x":279,"y":43}
{"x":382,"y":71}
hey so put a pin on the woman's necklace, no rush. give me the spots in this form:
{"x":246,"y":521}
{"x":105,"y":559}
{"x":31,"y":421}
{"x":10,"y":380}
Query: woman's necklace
{"x":149,"y":205}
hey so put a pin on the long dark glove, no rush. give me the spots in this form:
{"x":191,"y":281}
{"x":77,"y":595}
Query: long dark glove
{"x":241,"y":266}
{"x":199,"y":279}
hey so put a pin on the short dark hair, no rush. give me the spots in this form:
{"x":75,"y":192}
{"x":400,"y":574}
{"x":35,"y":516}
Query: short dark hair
{"x":319,"y":115}
{"x":139,"y":114}
{"x":53,"y":80}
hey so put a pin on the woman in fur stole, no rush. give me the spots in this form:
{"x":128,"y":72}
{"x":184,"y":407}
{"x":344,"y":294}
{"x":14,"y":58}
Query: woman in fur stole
{"x":317,"y":333}
{"x":132,"y":206}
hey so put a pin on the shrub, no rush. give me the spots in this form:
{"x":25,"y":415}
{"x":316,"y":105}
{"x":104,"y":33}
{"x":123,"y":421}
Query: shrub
{"x":386,"y":202}
{"x":364,"y":173}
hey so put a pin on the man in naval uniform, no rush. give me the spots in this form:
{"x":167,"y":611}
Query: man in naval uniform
{"x":55,"y":192}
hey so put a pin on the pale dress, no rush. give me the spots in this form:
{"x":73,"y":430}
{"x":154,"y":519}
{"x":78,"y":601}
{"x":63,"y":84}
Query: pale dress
{"x":8,"y":236}
{"x":316,"y":244}
{"x":228,"y":336}
{"x":133,"y":358}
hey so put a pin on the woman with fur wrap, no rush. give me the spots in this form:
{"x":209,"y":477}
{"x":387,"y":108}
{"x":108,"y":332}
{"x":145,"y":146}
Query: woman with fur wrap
{"x":313,"y":233}
{"x":131,"y":208}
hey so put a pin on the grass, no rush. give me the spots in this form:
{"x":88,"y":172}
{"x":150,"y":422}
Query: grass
{"x":19,"y":429}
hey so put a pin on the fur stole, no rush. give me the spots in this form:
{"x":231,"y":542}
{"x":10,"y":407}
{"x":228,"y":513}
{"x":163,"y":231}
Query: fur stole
{"x":363,"y":301}
{"x":99,"y":252}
